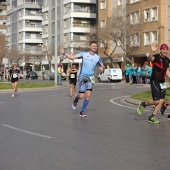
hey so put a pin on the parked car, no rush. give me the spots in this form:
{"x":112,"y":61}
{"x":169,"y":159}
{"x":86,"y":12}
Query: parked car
{"x":52,"y":75}
{"x":32,"y":75}
{"x":112,"y":74}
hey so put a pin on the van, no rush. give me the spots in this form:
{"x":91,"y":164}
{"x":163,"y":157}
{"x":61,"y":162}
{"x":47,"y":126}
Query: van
{"x":112,"y":74}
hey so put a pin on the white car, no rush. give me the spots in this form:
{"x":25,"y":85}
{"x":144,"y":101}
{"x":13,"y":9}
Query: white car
{"x":112,"y":74}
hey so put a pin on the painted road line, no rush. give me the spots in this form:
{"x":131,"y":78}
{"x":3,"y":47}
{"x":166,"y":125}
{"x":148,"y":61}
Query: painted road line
{"x":28,"y":132}
{"x":113,"y":101}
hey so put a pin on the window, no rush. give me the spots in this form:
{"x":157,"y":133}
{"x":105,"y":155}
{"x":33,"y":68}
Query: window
{"x":102,"y":4}
{"x":119,"y":2}
{"x":134,"y":1}
{"x":134,"y":40}
{"x":150,"y":14}
{"x":150,"y":37}
{"x":103,"y":23}
{"x":134,"y":18}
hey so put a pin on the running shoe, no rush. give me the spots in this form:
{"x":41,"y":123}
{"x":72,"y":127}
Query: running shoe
{"x":152,"y":119}
{"x":12,"y":95}
{"x":141,"y":108}
{"x":163,"y":108}
{"x":74,"y":105}
{"x":168,"y":117}
{"x":82,"y":114}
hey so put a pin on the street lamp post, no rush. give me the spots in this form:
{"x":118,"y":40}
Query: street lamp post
{"x":56,"y":48}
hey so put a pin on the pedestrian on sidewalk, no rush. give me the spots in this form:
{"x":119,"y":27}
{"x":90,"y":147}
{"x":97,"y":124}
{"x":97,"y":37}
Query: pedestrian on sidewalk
{"x":59,"y":71}
{"x":86,"y":78}
{"x":127,"y":72}
{"x":160,"y":64}
{"x":14,"y":75}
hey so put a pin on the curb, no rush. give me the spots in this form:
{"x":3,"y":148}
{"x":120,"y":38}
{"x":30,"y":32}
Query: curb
{"x":34,"y":89}
{"x":136,"y":102}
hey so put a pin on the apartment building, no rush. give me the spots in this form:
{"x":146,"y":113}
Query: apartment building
{"x":2,"y":27}
{"x":24,"y":28}
{"x":105,"y":12}
{"x":48,"y":34}
{"x":79,"y":21}
{"x":149,"y":24}
{"x":3,"y":17}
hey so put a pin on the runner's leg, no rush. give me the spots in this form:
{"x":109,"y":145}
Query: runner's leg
{"x":70,"y":88}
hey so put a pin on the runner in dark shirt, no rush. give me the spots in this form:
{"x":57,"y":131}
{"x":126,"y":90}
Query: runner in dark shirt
{"x":73,"y":79}
{"x":158,"y":86}
{"x":14,"y":75}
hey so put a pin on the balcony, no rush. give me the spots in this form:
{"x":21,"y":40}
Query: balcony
{"x":45,"y":35}
{"x":35,"y":5}
{"x":45,"y":22}
{"x":80,"y":13}
{"x":78,"y":1}
{"x":30,"y":28}
{"x":29,"y":39}
{"x":34,"y":49}
{"x":45,"y":9}
{"x":30,"y":16}
{"x":80,"y":28}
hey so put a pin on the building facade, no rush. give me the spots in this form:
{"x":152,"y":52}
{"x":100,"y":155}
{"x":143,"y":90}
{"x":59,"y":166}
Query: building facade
{"x":106,"y":9}
{"x":48,"y":34}
{"x":149,"y":24}
{"x":3,"y":17}
{"x":79,"y":21}
{"x":24,"y":29}
{"x":2,"y":28}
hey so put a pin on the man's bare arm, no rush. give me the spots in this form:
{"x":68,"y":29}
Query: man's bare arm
{"x":168,"y":72}
{"x":154,"y":47}
{"x":72,"y":57}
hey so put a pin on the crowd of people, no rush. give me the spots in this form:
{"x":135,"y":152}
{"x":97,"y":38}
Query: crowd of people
{"x":136,"y":74}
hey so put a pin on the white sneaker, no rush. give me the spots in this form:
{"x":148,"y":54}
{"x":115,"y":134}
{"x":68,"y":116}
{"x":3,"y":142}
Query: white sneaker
{"x":12,"y":95}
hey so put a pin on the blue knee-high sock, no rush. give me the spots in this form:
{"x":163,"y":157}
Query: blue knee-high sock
{"x":76,"y":99}
{"x":85,"y":103}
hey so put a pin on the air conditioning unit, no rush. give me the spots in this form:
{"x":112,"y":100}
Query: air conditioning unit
{"x":27,"y":21}
{"x":39,"y":45}
{"x":40,"y":33}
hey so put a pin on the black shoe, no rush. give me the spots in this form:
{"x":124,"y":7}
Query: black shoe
{"x":168,"y":117}
{"x":82,"y":114}
{"x":163,"y":108}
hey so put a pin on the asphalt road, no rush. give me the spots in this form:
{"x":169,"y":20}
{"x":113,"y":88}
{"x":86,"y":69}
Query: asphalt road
{"x":40,"y":131}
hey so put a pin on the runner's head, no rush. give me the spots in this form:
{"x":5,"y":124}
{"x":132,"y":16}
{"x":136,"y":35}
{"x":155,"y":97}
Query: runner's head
{"x":14,"y":66}
{"x":93,"y":46}
{"x":164,"y":49}
{"x":73,"y":66}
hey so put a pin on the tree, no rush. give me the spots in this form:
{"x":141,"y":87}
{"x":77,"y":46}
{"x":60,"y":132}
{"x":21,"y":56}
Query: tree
{"x":49,"y":53}
{"x":2,"y":46}
{"x":115,"y":34}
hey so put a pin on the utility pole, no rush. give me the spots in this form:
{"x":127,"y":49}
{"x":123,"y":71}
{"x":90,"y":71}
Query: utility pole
{"x":56,"y":44}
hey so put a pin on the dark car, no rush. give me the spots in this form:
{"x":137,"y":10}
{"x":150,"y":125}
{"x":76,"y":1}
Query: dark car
{"x":32,"y":75}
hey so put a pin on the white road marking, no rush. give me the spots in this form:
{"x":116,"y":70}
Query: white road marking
{"x":113,"y":101}
{"x":28,"y":132}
